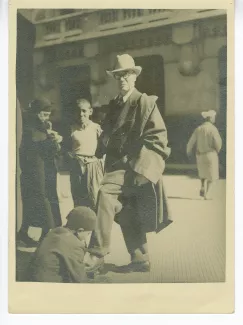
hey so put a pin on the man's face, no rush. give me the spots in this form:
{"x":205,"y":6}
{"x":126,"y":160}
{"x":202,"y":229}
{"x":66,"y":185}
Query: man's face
{"x":85,"y":112}
{"x":126,"y":80}
{"x":44,"y":116}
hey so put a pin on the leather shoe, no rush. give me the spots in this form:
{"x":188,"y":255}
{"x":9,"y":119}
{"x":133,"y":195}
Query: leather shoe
{"x":140,"y":267}
{"x":202,"y":192}
{"x":28,"y":241}
{"x":134,"y":267}
{"x":95,"y":264}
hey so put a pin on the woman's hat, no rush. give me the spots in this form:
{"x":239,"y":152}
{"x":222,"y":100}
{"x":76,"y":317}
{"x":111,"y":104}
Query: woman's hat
{"x":125,"y":62}
{"x":207,"y":114}
{"x":40,"y":104}
{"x":81,"y":217}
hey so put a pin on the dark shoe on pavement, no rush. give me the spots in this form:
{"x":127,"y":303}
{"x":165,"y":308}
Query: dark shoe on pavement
{"x":29,"y":242}
{"x":134,"y":267}
{"x":202,"y":192}
{"x":94,"y":265}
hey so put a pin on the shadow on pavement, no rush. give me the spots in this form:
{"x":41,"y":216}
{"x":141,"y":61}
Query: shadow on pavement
{"x":185,"y":198}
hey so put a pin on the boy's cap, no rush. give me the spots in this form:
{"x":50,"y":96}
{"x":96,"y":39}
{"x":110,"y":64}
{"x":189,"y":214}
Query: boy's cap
{"x":81,"y":217}
{"x":40,"y":104}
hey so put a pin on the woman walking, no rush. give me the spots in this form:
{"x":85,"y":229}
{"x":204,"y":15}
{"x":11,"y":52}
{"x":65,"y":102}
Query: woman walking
{"x":207,"y":142}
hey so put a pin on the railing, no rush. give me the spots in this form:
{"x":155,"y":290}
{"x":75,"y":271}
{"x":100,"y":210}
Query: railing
{"x":88,"y":24}
{"x":73,"y":23}
{"x":114,"y":15}
{"x":52,"y":28}
{"x":46,"y":15}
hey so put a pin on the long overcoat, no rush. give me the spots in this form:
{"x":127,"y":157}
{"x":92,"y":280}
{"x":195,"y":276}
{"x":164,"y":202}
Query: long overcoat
{"x":207,"y":143}
{"x":39,"y":177}
{"x":135,"y":140}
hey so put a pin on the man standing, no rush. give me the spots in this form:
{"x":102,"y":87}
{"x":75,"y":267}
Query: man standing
{"x":134,"y":140}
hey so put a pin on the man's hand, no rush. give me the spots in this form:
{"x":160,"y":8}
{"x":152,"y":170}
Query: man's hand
{"x":58,"y":138}
{"x":140,"y":180}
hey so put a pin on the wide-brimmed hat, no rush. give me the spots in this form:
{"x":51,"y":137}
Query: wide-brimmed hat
{"x":81,"y":217}
{"x":125,"y":62}
{"x":40,"y":104}
{"x":208,"y":114}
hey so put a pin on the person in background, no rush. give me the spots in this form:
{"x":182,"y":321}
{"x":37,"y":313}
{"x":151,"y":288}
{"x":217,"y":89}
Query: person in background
{"x":59,"y":257}
{"x":207,"y":142}
{"x":38,"y":150}
{"x":86,"y":172}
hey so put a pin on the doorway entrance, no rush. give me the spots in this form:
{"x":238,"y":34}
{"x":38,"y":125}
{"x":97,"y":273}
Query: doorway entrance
{"x":151,"y":80}
{"x":74,"y":84}
{"x":222,"y":116}
{"x":24,"y":61}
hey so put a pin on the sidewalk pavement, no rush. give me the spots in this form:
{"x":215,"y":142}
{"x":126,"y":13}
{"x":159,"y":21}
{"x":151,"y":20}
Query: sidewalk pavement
{"x":190,"y":250}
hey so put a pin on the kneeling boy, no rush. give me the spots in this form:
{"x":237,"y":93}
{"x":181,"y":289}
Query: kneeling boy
{"x":59,"y":257}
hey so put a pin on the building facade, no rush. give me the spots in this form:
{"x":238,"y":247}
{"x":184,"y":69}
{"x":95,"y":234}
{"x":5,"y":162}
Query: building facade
{"x":183,"y":54}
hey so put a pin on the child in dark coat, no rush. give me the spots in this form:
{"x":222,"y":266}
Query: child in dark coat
{"x":37,"y":154}
{"x":60,"y":256}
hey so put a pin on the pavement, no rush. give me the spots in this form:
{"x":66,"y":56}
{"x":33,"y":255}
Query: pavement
{"x":190,"y":250}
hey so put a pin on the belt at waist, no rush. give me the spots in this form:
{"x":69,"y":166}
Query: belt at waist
{"x":204,"y":153}
{"x":84,"y":158}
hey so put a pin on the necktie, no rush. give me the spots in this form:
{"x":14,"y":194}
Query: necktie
{"x":119,"y":101}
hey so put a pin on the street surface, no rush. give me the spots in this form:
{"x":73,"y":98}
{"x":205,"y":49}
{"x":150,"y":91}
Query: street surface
{"x":190,"y":250}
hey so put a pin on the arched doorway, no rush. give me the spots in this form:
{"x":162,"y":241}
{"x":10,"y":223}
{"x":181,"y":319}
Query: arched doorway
{"x":222,"y":116}
{"x":74,"y":84}
{"x":151,"y":80}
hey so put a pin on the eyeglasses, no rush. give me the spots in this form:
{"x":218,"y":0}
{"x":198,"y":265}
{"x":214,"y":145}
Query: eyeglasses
{"x":125,"y":75}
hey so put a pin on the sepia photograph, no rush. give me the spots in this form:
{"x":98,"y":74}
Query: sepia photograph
{"x":121,"y":149}
{"x":121,"y":134}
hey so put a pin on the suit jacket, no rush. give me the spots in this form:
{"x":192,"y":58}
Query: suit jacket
{"x":135,"y":140}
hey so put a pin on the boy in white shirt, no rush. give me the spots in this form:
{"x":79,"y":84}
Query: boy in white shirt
{"x":86,"y":171}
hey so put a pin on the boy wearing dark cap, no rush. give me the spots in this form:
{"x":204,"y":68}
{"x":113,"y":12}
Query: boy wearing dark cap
{"x":60,"y":256}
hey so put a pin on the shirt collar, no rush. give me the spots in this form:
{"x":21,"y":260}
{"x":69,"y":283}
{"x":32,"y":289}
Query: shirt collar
{"x":83,"y":126}
{"x":128,"y":94}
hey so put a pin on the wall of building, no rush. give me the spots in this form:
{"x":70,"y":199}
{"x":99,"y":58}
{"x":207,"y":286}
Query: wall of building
{"x":185,"y":95}
{"x":24,"y":61}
